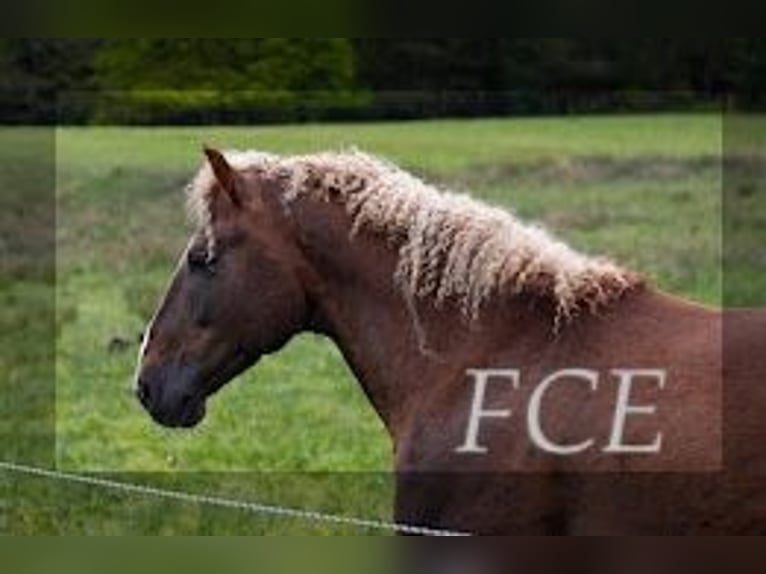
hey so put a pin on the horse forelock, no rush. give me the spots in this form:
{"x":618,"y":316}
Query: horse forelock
{"x":450,"y":246}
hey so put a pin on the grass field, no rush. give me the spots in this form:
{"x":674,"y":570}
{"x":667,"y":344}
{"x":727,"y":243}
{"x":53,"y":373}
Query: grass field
{"x":642,"y":189}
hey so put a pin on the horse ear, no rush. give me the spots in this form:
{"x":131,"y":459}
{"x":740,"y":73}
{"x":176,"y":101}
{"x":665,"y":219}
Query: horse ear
{"x":227,"y":176}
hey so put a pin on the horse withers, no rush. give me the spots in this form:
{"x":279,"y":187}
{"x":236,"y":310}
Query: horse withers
{"x":423,"y":290}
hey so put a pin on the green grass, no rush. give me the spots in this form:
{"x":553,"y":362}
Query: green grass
{"x":439,"y":145}
{"x":642,"y":189}
{"x":26,"y":294}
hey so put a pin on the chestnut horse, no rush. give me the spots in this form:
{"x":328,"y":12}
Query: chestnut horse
{"x":527,"y":388}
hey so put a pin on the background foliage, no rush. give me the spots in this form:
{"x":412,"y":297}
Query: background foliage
{"x":268,"y":79}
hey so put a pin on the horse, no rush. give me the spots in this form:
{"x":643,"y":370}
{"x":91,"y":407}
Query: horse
{"x":527,"y":388}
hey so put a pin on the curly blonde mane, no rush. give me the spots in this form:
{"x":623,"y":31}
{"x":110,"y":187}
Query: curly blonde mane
{"x":450,"y":246}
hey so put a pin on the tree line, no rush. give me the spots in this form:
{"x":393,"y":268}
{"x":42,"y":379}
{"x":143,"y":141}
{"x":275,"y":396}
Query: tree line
{"x":300,"y":79}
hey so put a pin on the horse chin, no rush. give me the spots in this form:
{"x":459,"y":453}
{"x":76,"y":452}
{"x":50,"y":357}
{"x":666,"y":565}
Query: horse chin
{"x":189,"y":417}
{"x":193,"y":416}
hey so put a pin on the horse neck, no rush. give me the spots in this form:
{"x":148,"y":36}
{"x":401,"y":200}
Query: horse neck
{"x":393,"y":346}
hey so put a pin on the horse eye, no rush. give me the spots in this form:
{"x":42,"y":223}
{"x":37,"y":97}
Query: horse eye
{"x":200,"y":260}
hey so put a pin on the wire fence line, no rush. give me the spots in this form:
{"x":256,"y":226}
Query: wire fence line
{"x":221,"y":502}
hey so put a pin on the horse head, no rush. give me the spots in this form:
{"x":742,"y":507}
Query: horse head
{"x":237,"y":294}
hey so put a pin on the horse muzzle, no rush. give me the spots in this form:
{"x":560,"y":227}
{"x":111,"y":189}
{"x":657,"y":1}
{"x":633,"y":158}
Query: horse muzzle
{"x":170,"y":396}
